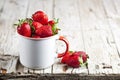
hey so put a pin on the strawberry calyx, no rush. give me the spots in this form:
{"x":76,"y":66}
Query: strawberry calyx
{"x":30,"y":21}
{"x":27,"y":20}
{"x":75,"y":59}
{"x":81,"y":62}
{"x":20,"y":22}
{"x":55,"y":28}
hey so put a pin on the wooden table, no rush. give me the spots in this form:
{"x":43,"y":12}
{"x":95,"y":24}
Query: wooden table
{"x":92,"y":26}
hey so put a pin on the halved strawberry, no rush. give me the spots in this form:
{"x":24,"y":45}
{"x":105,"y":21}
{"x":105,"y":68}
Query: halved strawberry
{"x":41,"y":17}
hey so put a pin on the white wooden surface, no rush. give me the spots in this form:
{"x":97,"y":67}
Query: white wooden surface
{"x":89,"y":25}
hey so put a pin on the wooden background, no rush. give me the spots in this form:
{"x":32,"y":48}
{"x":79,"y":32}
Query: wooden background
{"x":92,"y":26}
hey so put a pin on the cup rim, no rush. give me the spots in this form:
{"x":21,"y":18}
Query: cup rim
{"x":30,"y":38}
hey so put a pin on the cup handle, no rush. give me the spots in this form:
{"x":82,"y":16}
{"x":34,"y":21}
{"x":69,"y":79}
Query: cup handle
{"x":62,"y":38}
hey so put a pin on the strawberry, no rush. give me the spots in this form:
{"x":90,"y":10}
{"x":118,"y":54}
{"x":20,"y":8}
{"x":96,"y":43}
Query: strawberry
{"x":44,"y":31}
{"x":82,"y":54}
{"x":41,"y":17}
{"x":24,"y":29}
{"x":75,"y":59}
{"x":19,"y":30}
{"x":51,"y":22}
{"x":66,"y":57}
{"x":54,"y":25}
{"x":36,"y":26}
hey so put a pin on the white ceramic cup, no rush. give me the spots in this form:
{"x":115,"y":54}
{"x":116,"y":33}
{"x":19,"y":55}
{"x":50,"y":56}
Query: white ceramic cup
{"x":39,"y":53}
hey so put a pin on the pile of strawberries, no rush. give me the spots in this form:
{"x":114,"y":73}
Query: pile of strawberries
{"x":38,"y":26}
{"x":75,"y":59}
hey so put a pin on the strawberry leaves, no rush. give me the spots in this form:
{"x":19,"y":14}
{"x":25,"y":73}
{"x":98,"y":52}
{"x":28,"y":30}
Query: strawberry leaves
{"x":54,"y":24}
{"x":20,"y":21}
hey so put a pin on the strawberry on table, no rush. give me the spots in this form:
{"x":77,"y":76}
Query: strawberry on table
{"x":75,"y":59}
{"x":82,"y":54}
{"x":41,"y":17}
{"x":66,"y":57}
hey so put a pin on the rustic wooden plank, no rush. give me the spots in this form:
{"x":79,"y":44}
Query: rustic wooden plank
{"x":117,"y":5}
{"x":100,"y":37}
{"x":110,"y":8}
{"x":114,"y":23}
{"x":114,"y":27}
{"x":8,"y":63}
{"x":20,"y":67}
{"x":2,"y":2}
{"x":70,"y":28}
{"x":59,"y":77}
{"x":12,"y":10}
{"x":99,"y":42}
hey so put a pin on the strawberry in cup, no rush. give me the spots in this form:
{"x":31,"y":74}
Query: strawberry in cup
{"x":37,"y":43}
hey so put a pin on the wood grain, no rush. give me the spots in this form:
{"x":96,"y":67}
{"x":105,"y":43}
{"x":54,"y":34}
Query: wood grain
{"x":89,"y":25}
{"x":59,"y":77}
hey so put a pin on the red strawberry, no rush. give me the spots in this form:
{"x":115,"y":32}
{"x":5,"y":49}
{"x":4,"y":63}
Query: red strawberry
{"x":54,"y":25}
{"x":82,"y":54}
{"x":36,"y":25}
{"x":51,"y":22}
{"x":24,"y":29}
{"x":41,"y":17}
{"x":66,"y":57}
{"x":19,"y":30}
{"x":44,"y":31}
{"x":73,"y":61}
